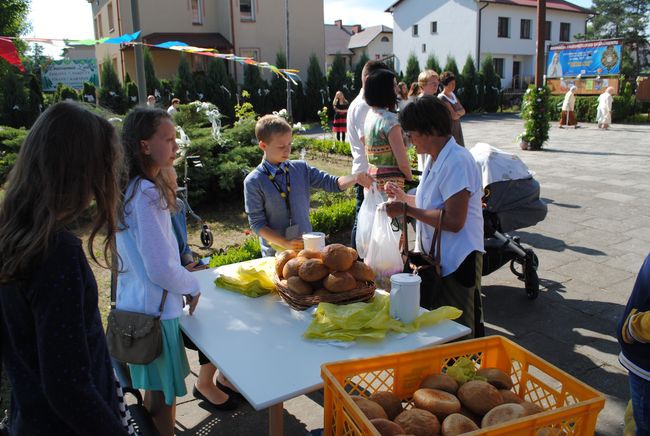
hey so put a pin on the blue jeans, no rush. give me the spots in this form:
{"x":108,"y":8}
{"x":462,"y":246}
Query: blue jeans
{"x":359,"y":189}
{"x":640,"y":393}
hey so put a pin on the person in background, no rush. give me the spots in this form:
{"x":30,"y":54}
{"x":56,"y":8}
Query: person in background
{"x":568,"y":117}
{"x":340,"y":105}
{"x":151,"y":101}
{"x":604,"y":109}
{"x":150,"y":272}
{"x":633,"y":334}
{"x":171,"y":110}
{"x":387,"y":156}
{"x":355,"y":123}
{"x":450,"y":183}
{"x":428,"y":81}
{"x":402,"y":95}
{"x":414,"y":91}
{"x":456,"y":110}
{"x":52,"y":341}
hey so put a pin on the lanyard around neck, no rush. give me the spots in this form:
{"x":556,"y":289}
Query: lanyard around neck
{"x":282,"y":193}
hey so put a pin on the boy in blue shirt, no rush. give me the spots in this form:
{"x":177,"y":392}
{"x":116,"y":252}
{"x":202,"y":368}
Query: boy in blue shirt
{"x":276,"y":193}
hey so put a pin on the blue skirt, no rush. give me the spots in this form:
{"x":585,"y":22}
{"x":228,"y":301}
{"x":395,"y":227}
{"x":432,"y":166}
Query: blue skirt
{"x":167,"y":373}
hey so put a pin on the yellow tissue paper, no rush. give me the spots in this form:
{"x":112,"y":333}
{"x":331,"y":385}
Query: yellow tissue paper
{"x":370,"y":320}
{"x":251,"y":278}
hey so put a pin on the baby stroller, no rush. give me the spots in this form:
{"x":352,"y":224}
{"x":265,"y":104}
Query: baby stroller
{"x":510,"y":202}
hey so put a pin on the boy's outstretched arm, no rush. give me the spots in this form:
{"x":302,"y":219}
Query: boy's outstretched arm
{"x":362,"y":179}
{"x":273,"y":237}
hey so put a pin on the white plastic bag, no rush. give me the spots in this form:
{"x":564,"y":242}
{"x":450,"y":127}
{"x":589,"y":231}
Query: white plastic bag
{"x":366,"y":219}
{"x":384,"y":255}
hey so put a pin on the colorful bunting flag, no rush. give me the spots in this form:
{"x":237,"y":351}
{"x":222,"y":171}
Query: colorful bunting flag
{"x":9,"y":53}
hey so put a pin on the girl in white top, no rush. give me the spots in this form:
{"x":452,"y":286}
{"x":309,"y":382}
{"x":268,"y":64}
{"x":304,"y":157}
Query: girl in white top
{"x":150,"y":259}
{"x":451,"y":181}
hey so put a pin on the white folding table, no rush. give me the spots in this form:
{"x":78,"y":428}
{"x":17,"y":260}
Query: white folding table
{"x":258,"y":345}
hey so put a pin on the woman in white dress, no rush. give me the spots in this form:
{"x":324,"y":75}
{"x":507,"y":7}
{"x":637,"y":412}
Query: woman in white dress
{"x":604,"y":109}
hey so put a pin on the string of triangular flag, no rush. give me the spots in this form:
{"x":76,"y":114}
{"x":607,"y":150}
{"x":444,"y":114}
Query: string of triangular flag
{"x":9,"y":53}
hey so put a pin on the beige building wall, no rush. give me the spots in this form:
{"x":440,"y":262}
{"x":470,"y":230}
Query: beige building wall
{"x":106,"y":22}
{"x":265,"y":33}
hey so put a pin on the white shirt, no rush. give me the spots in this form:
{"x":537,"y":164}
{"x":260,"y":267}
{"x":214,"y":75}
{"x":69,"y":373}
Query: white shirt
{"x":454,"y":170}
{"x":569,"y":102}
{"x":171,"y":110}
{"x":150,"y":257}
{"x":355,"y":121}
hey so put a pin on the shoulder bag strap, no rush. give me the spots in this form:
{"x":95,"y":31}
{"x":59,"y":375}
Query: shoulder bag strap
{"x":436,"y":243}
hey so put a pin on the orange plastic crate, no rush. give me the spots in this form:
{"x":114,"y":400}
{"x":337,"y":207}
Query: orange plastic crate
{"x":570,"y":406}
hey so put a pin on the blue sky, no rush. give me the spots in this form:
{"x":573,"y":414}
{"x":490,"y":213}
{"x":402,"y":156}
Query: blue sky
{"x":72,"y":19}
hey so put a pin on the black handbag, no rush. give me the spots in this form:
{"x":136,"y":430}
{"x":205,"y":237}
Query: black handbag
{"x":427,"y":266}
{"x":133,"y":337}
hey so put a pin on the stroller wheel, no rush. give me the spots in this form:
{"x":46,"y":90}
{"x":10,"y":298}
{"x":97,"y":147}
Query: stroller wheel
{"x":206,"y":237}
{"x":532,"y":283}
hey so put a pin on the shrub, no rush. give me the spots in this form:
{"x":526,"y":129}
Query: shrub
{"x":316,"y":84}
{"x":131,"y":90}
{"x":433,"y":64}
{"x":14,"y":102}
{"x":451,"y":66}
{"x":111,"y":93}
{"x":250,"y":249}
{"x":257,"y":88}
{"x":491,"y":88}
{"x":64,"y":92}
{"x":220,"y":88}
{"x":467,"y":92}
{"x":89,"y":93}
{"x":184,"y":84}
{"x":337,"y":79}
{"x":150,"y":73}
{"x":412,"y":69}
{"x":322,"y":145}
{"x":535,"y":112}
{"x":278,"y":91}
{"x":358,"y":70}
{"x":10,"y":141}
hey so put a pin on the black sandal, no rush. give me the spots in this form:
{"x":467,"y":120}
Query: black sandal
{"x":231,"y":392}
{"x":229,"y":404}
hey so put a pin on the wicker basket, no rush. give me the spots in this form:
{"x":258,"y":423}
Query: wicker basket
{"x":302,"y":302}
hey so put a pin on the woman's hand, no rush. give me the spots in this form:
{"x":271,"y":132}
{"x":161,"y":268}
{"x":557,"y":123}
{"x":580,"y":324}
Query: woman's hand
{"x":194,"y":266}
{"x":394,"y":192}
{"x":294,"y":244}
{"x":192,"y":301}
{"x":395,"y":208}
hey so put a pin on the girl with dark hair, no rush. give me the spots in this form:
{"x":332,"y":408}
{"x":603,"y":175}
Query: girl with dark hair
{"x":387,"y":157}
{"x":402,"y":95}
{"x":150,"y":271}
{"x":51,"y":336}
{"x":456,"y":110}
{"x":340,"y":105}
{"x":450,"y":183}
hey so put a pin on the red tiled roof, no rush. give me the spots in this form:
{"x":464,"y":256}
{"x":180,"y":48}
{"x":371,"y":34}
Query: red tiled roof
{"x":560,"y":5}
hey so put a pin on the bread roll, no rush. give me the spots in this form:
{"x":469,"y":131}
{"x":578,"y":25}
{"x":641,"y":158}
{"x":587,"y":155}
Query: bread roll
{"x":339,"y":282}
{"x":309,"y":254}
{"x":503,"y":413}
{"x":496,"y":377}
{"x":281,"y":259}
{"x":299,"y":286}
{"x":386,"y":427}
{"x":369,"y":408}
{"x":292,"y":267}
{"x":479,"y":397}
{"x":313,"y":270}
{"x":456,"y":424}
{"x":418,"y":422}
{"x":440,"y":403}
{"x":390,"y":402}
{"x":442,"y":382}
{"x":338,"y":257}
{"x":353,"y":252}
{"x":362,"y":272}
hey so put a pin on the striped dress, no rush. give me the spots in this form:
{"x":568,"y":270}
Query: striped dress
{"x":340,"y":122}
{"x":382,"y":163}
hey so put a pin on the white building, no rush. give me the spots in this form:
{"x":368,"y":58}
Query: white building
{"x":505,"y":29}
{"x":351,"y":41}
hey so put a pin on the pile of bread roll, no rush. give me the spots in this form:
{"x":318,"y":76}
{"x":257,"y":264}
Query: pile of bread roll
{"x":442,"y":407}
{"x":333,"y":270}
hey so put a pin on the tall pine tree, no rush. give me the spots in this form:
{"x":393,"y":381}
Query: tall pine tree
{"x":219,"y":88}
{"x":451,"y":66}
{"x":358,"y":71}
{"x":111,"y":93}
{"x":257,"y":88}
{"x":315,"y":93}
{"x":412,"y":69}
{"x":278,"y":95}
{"x":150,"y":73}
{"x":184,"y":84}
{"x":468,"y":91}
{"x":337,"y":78}
{"x":491,"y":89}
{"x":433,"y":64}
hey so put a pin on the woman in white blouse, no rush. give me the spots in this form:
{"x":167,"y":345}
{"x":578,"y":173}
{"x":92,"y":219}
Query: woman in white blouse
{"x":451,"y":182}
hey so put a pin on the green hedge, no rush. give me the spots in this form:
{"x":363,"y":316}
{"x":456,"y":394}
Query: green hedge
{"x":322,"y":145}
{"x":10,"y":141}
{"x":585,"y":109}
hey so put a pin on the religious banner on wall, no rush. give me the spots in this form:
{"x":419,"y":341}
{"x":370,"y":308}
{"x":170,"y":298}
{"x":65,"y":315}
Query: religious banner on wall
{"x":586,"y":86}
{"x":72,"y":73}
{"x":587,"y":58}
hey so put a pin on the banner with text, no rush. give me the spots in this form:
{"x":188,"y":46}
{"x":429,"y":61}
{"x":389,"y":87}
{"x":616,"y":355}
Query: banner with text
{"x":588,"y":58}
{"x":72,"y":73}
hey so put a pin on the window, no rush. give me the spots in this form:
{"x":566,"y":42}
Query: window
{"x":498,"y":66}
{"x":247,"y":10}
{"x":565,"y":31}
{"x":434,"y":27}
{"x":503,"y":30}
{"x":415,"y":30}
{"x":100,"y":29}
{"x":547,"y":32}
{"x":424,"y":48}
{"x":109,"y":12}
{"x":249,"y":53}
{"x":385,"y":39}
{"x":197,"y":11}
{"x":524,"y":32}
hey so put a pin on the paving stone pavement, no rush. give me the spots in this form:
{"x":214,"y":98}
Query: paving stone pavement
{"x":590,"y":248}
